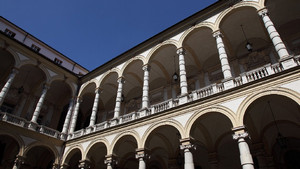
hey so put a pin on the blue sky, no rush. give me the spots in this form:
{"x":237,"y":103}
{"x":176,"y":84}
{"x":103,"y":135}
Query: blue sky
{"x":92,"y":32}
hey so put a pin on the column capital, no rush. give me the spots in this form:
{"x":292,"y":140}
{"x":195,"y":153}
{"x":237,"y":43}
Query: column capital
{"x":142,"y":153}
{"x":15,"y":70}
{"x":111,"y":159}
{"x":55,"y":166}
{"x":79,"y":99}
{"x":217,"y":34}
{"x":187,"y":143}
{"x":263,"y":12}
{"x":146,"y":67}
{"x":121,"y":79}
{"x":180,"y":51}
{"x":46,"y":86}
{"x":64,"y":166}
{"x":84,"y":164}
{"x":98,"y":90}
{"x":238,"y":136}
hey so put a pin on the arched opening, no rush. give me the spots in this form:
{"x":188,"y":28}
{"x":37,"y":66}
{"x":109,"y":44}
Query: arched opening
{"x":133,"y":87}
{"x":244,"y":26}
{"x":72,"y":159}
{"x":9,"y":148}
{"x":25,"y":91}
{"x":202,"y":59}
{"x":124,"y":149}
{"x":85,"y":109}
{"x":164,"y":64}
{"x":96,"y":156}
{"x":164,"y":146}
{"x":215,"y":145}
{"x":6,"y":66}
{"x":109,"y":87}
{"x":273,"y":123}
{"x":39,"y":157}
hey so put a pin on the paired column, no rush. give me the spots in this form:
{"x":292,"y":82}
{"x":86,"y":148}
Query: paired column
{"x":182,"y":72}
{"x":7,"y":85}
{"x":187,"y":146}
{"x":95,"y":107}
{"x":119,"y":97}
{"x":110,"y":161}
{"x":245,"y":155}
{"x":18,"y":162}
{"x":145,"y":99}
{"x":142,"y":156}
{"x":274,"y":35}
{"x":39,"y":104}
{"x":222,"y":55}
{"x":68,"y":117}
{"x":75,"y":114}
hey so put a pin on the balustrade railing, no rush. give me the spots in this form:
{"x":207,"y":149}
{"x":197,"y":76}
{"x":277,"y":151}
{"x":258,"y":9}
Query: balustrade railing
{"x":207,"y":91}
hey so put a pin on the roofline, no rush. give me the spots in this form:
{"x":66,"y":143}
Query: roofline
{"x":44,"y":43}
{"x":179,"y":26}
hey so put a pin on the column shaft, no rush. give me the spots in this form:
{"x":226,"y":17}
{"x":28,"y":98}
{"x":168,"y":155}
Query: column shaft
{"x":182,"y":72}
{"x":245,"y":155}
{"x":119,"y":98}
{"x":7,"y":85}
{"x":145,"y":99}
{"x":95,"y":107}
{"x":39,"y":104}
{"x":68,"y":117}
{"x":75,"y":114}
{"x":274,"y":35}
{"x":188,"y":159}
{"x":222,"y":55}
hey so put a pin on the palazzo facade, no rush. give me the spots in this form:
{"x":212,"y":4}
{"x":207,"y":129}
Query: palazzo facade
{"x":220,"y":89}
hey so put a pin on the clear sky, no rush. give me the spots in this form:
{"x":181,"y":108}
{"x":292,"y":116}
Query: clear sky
{"x":92,"y":32}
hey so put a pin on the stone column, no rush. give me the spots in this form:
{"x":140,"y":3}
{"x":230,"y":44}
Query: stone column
{"x":68,"y":117}
{"x":222,"y":55}
{"x":182,"y":72}
{"x":142,"y":156}
{"x":84,"y":164}
{"x":119,"y":98}
{"x":75,"y":114}
{"x":274,"y":35}
{"x":145,"y":100}
{"x":245,"y":155}
{"x":187,"y":146}
{"x":18,"y":162}
{"x":7,"y":85}
{"x":39,"y":104}
{"x":110,"y":161}
{"x":95,"y":107}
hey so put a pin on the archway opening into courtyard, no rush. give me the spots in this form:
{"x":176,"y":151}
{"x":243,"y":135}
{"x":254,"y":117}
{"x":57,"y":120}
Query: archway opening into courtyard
{"x":9,"y":148}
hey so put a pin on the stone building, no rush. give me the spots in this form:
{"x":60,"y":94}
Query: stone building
{"x":220,"y":89}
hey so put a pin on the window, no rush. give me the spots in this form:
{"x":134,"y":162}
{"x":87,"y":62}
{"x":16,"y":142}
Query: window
{"x":9,"y":33}
{"x":35,"y":48}
{"x":57,"y":61}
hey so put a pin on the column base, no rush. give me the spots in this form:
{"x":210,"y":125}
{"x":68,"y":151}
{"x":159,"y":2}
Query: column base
{"x":288,"y":62}
{"x":183,"y":99}
{"x":143,"y":112}
{"x":228,"y":83}
{"x":114,"y":122}
{"x":32,"y":126}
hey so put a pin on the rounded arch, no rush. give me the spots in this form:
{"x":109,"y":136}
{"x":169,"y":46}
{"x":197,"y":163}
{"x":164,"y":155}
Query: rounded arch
{"x":40,"y":144}
{"x":68,"y":154}
{"x":56,"y":77}
{"x":72,"y":85}
{"x":15,"y":55}
{"x":198,"y":26}
{"x":239,"y":5}
{"x":46,"y":72}
{"x":18,"y":139}
{"x":154,"y":126}
{"x":139,"y":57}
{"x":99,"y":140}
{"x":85,"y":85}
{"x":134,"y":134}
{"x":250,"y":99}
{"x":218,"y":109}
{"x":158,"y":46}
{"x":106,"y":74}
